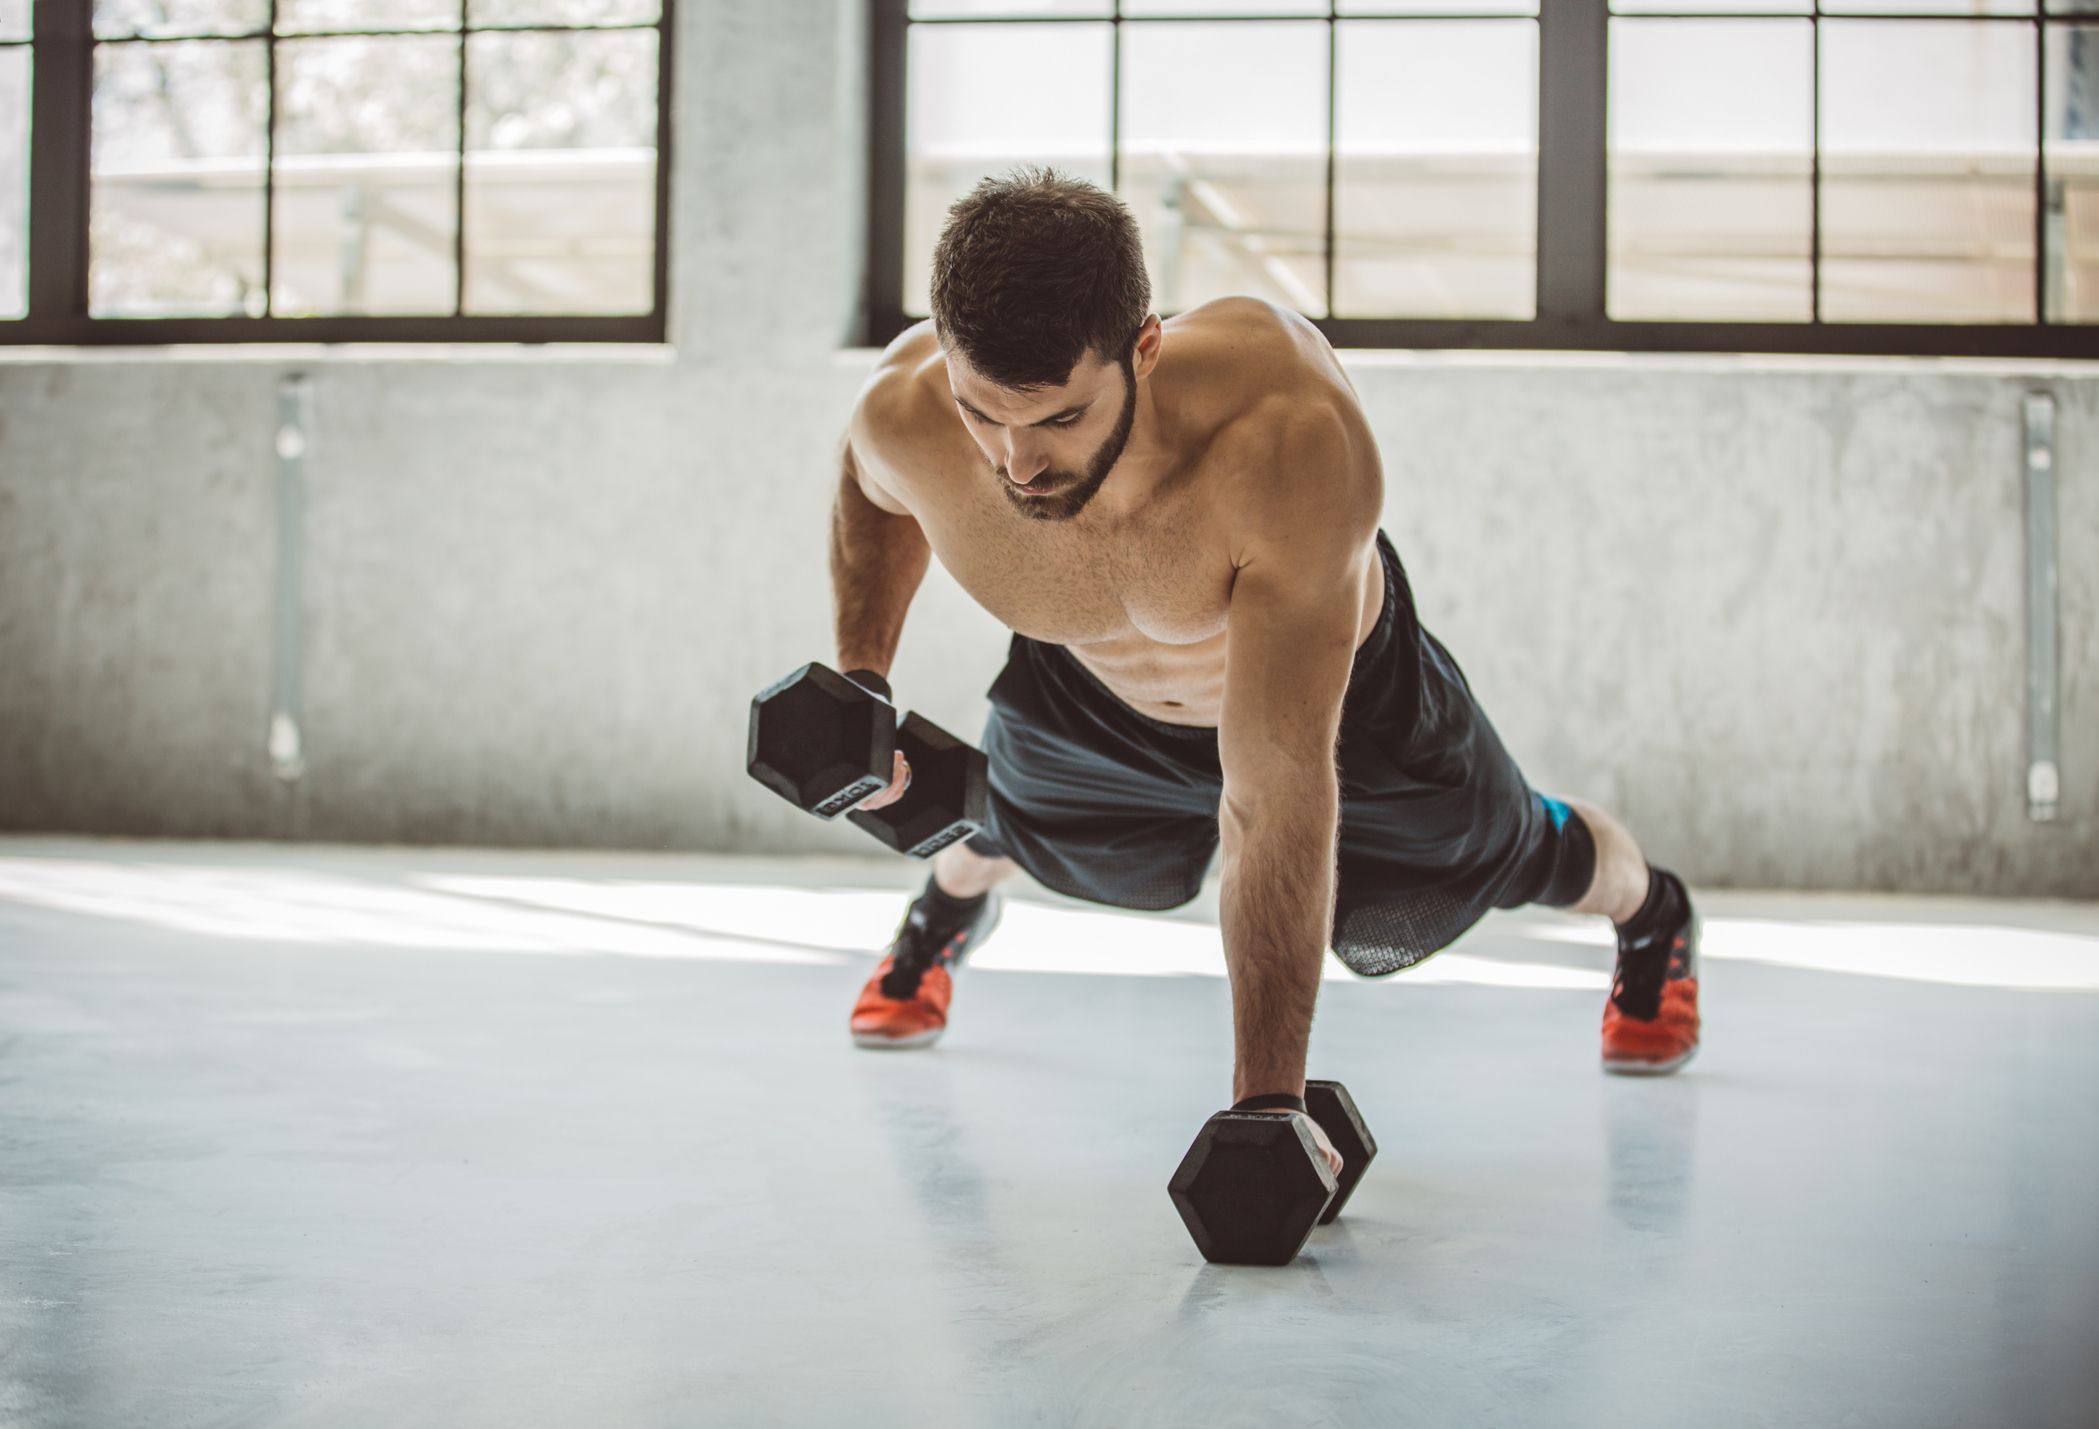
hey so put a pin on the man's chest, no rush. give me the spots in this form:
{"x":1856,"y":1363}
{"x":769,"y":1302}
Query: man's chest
{"x":1163,"y":576}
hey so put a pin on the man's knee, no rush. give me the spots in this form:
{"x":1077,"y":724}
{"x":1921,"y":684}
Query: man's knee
{"x":1573,"y":856}
{"x":984,"y":845}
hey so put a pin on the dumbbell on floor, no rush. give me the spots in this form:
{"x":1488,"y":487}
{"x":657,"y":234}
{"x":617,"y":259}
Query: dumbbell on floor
{"x":1254,"y":1184}
{"x":825,"y":744}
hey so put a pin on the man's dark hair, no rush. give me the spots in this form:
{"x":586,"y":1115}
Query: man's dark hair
{"x":1032,"y":272}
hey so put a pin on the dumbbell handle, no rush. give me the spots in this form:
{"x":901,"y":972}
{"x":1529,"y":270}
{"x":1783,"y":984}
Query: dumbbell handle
{"x":912,"y":824}
{"x":873,"y":683}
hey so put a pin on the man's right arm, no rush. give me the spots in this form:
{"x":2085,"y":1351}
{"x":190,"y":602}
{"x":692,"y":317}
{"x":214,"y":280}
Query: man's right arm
{"x":878,"y":559}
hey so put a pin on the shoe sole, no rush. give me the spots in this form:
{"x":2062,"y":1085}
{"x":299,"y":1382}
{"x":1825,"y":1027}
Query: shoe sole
{"x":1630,"y":1068}
{"x":897,"y":1044}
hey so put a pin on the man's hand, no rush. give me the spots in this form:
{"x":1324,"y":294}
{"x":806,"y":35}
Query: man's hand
{"x":899,"y":781}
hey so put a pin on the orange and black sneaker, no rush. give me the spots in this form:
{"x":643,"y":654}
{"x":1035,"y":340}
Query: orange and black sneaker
{"x":1650,"y":1024}
{"x":905,"y":1003}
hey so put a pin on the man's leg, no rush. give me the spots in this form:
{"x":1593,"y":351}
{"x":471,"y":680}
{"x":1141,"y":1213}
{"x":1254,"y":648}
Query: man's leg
{"x":963,"y":873}
{"x":1092,"y":802}
{"x":1620,"y":884}
{"x":905,"y":1003}
{"x":1650,"y":1023}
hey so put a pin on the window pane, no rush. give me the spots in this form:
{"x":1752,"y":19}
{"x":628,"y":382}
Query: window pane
{"x":1928,"y":7}
{"x":561,"y":173}
{"x":14,"y":182}
{"x":2073,"y":7}
{"x":367,"y":138}
{"x":563,"y":12}
{"x":305,"y":16}
{"x":14,"y":19}
{"x":1734,"y":7}
{"x":1224,"y":159}
{"x":968,"y":119}
{"x":1436,"y":198}
{"x":2073,"y":174}
{"x":1224,"y":7}
{"x":1711,"y":170}
{"x":1438,"y":7}
{"x":117,"y":19}
{"x":177,"y":195}
{"x":941,"y":9}
{"x":1927,"y":171}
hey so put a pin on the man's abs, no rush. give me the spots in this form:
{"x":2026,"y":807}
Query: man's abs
{"x":1184,"y":683}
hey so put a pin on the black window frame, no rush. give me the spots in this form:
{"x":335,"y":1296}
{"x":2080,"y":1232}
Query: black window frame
{"x":1573,"y":208}
{"x":60,"y":173}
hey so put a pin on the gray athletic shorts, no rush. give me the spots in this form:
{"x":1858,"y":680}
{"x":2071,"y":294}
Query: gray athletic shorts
{"x":1100,"y":802}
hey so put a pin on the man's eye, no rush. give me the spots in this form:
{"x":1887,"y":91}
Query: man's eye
{"x":1070,"y":421}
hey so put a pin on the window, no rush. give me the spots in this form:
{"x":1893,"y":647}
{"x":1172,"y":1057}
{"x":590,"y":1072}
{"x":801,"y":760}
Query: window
{"x":1869,"y":176}
{"x":333,"y":170}
{"x":14,"y":158}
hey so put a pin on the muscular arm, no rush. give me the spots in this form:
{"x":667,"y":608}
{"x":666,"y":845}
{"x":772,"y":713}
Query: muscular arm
{"x":1289,"y":645}
{"x":878,"y":560}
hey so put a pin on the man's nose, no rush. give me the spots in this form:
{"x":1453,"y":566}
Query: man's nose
{"x":1025,"y":463}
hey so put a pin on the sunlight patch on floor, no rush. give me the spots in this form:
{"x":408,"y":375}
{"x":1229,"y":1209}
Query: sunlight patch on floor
{"x":770,"y":922}
{"x":278,"y":905}
{"x":1964,"y":954}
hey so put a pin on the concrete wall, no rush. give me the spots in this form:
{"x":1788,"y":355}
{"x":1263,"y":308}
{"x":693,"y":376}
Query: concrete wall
{"x":1770,"y":611}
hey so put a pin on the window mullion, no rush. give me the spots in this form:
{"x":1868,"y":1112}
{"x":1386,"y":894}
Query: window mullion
{"x":1573,"y":100}
{"x":1814,"y":172}
{"x":459,"y":176}
{"x":884,"y":280}
{"x":269,"y":170}
{"x":1115,"y":99}
{"x":1333,"y":139}
{"x":61,"y":112}
{"x":2040,"y":170}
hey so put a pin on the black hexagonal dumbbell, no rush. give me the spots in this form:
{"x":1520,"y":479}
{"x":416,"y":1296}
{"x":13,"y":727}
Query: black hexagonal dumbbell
{"x":1329,"y":1104}
{"x":1253,"y":1185}
{"x":824,"y":744}
{"x":945,"y":800}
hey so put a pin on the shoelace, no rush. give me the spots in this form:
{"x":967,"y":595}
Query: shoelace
{"x":1642,"y":968}
{"x":912,"y":953}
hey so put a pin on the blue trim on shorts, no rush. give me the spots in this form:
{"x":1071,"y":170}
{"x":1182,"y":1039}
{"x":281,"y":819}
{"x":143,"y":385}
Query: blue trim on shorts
{"x":1558,"y":812}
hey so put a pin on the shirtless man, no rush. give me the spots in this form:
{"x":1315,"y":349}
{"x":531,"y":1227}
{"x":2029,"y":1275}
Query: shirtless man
{"x":1213,"y":642}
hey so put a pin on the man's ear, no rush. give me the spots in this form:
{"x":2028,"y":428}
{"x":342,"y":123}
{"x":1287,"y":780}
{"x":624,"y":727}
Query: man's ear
{"x":1150,"y":339}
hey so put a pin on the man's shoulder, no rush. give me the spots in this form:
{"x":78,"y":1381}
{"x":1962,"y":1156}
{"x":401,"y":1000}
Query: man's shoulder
{"x":1296,"y":440}
{"x":1268,"y":377}
{"x":902,"y":405}
{"x":1294,"y":451}
{"x":1250,"y":335}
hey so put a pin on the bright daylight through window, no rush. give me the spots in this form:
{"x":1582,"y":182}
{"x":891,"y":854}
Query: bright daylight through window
{"x":1919,"y":172}
{"x":278,"y":165}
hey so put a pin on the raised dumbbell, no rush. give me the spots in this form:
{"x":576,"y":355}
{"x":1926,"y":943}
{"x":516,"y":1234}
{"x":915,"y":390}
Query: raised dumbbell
{"x":1253,"y":1184}
{"x":824,"y":744}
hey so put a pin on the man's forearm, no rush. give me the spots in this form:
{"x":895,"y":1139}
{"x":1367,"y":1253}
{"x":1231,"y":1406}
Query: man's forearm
{"x":1277,"y":906}
{"x":878,"y":560}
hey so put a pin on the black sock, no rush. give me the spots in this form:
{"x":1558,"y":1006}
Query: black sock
{"x":1668,"y":905}
{"x":943,"y":910}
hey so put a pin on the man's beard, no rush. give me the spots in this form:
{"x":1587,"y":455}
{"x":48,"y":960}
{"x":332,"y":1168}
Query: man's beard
{"x":1069,"y":493}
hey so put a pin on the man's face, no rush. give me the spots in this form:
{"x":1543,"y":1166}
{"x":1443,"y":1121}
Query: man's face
{"x":1050,"y":449}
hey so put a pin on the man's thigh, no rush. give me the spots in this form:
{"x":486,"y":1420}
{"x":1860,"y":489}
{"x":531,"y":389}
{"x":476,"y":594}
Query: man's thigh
{"x":1435,"y":831}
{"x":1090,"y":803}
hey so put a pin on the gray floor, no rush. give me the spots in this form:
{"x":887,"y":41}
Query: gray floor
{"x":389,"y":1137}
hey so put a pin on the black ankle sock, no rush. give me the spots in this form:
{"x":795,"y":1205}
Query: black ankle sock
{"x":943,"y":910}
{"x":1667,"y":905}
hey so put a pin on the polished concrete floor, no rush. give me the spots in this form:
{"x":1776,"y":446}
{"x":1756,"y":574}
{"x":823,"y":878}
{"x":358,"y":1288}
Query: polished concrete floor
{"x":311,"y":1136}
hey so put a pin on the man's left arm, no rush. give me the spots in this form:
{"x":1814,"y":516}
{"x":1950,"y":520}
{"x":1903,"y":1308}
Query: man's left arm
{"x":1290,"y":639}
